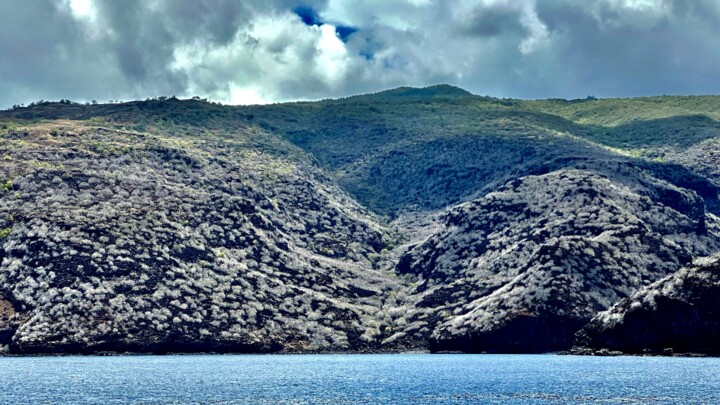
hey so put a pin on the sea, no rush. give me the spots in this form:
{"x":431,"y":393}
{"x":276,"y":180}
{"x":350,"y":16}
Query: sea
{"x":358,"y":379}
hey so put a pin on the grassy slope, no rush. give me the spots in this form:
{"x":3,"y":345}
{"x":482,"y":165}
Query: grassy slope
{"x":613,"y":111}
{"x":648,"y":126}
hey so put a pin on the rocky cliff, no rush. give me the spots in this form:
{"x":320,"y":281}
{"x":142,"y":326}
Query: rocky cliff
{"x":677,"y":314}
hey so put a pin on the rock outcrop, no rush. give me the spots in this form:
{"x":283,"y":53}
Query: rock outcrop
{"x":677,"y":314}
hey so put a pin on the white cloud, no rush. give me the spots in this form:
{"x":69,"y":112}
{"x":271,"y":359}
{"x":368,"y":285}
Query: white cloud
{"x":537,"y":31}
{"x":86,"y":13}
{"x":276,"y":52}
{"x":333,"y":59}
{"x":643,"y":5}
{"x":82,"y":9}
{"x":246,"y":95}
{"x":642,"y":13}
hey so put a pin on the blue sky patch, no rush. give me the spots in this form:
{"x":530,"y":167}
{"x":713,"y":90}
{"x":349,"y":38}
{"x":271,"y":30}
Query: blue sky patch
{"x":308,"y":15}
{"x":344,"y":31}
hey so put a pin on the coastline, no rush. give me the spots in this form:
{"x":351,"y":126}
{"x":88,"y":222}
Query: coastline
{"x":575,"y":352}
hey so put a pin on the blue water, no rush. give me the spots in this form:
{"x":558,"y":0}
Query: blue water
{"x":331,"y":379}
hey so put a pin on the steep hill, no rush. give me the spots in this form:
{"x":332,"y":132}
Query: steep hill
{"x":411,"y":218}
{"x":521,"y":269}
{"x":116,"y":240}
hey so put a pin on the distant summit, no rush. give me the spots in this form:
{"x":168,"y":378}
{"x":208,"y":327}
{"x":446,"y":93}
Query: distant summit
{"x":439,"y":90}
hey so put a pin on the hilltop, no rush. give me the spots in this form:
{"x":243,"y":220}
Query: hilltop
{"x":411,"y":218}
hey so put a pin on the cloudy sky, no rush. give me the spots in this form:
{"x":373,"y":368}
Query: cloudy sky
{"x":247,"y":51}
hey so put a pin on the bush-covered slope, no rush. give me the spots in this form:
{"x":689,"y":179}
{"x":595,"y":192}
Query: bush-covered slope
{"x":522,"y":268}
{"x":117,"y":240}
{"x":406,"y":218}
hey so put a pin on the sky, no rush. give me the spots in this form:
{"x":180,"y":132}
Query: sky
{"x":264,"y":51}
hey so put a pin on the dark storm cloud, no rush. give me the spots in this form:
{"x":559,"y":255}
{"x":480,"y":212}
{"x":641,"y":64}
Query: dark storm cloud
{"x":259,"y":51}
{"x":492,"y":21}
{"x":38,"y":46}
{"x":670,"y":48}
